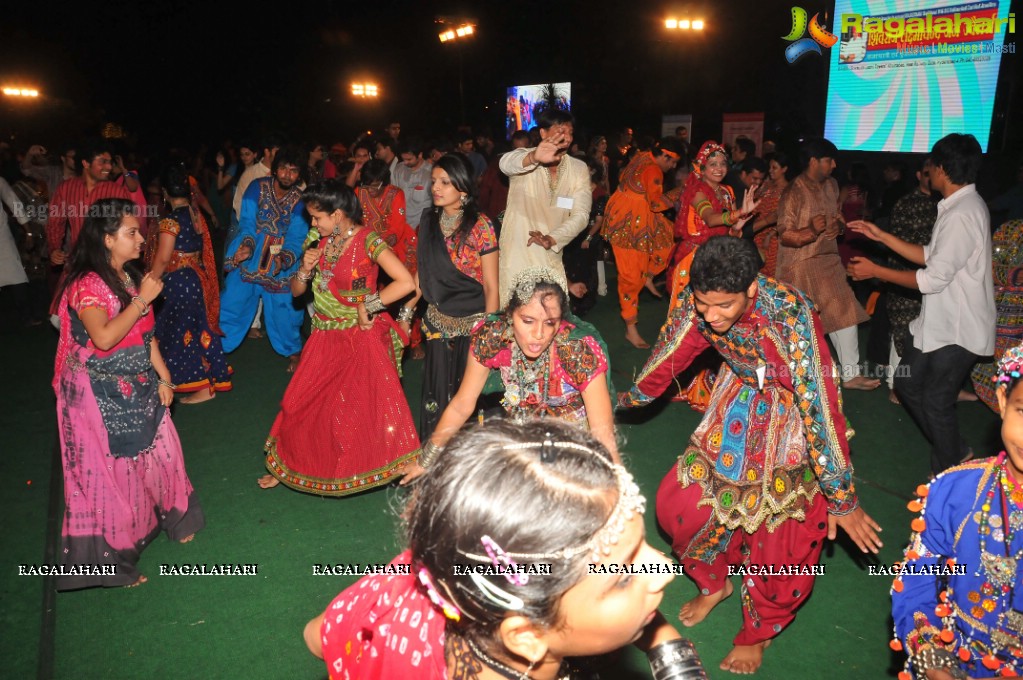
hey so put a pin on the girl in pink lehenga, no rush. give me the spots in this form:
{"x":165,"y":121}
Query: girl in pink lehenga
{"x":124,"y":475}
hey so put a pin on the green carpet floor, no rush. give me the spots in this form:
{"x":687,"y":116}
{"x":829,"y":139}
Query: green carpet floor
{"x":250,"y":626}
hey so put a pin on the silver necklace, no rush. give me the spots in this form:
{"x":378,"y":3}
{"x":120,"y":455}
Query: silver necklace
{"x":449,"y":223}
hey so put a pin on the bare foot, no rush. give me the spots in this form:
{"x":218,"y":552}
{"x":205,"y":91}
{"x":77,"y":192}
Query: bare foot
{"x":966,"y":396}
{"x":633,"y":336}
{"x":894,"y":398}
{"x":745,"y":659}
{"x":141,"y":579}
{"x":254,"y":333}
{"x":187,"y":539}
{"x":293,"y":362}
{"x":861,"y":383}
{"x":696,"y":609}
{"x":197,"y":397}
{"x":418,"y":353}
{"x":652,"y":289}
{"x":268,"y":482}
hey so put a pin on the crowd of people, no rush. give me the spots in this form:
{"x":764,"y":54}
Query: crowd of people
{"x":482,"y":265}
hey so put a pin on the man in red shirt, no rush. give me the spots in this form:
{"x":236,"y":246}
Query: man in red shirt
{"x":70,"y":203}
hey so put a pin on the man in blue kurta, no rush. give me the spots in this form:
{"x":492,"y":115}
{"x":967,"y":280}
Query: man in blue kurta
{"x":262,"y":258}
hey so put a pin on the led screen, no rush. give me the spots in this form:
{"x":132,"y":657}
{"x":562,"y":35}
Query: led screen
{"x":906,"y":73}
{"x":522,"y":100}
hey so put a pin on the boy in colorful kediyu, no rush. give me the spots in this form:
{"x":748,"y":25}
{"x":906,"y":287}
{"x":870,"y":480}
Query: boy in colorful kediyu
{"x":766,"y":476}
{"x":958,"y":603}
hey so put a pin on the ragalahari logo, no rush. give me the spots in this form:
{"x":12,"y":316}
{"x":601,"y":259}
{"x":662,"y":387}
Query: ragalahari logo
{"x":800,"y":47}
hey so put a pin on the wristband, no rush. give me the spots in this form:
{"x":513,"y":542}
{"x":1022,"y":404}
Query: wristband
{"x":676,"y":660}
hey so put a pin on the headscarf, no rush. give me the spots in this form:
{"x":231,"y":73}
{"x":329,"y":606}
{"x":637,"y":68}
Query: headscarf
{"x":709,"y":148}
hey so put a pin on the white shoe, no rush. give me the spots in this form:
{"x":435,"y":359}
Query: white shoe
{"x":602,"y":291}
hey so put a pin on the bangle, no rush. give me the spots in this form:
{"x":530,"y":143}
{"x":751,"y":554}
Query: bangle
{"x":166,"y":383}
{"x":373,"y":304}
{"x":429,"y":454}
{"x":589,"y":237}
{"x":726,"y":218}
{"x":675,"y":660}
{"x":304,"y":278}
{"x":406,"y":314}
{"x":144,"y":309}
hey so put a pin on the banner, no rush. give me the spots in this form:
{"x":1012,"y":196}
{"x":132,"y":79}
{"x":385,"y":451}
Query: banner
{"x":669,"y":123}
{"x":750,"y":125}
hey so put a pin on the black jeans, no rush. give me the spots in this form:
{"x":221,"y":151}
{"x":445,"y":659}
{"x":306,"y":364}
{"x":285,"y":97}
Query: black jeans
{"x":928,"y":386}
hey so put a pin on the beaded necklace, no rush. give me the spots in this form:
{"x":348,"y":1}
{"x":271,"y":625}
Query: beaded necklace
{"x":554,"y":181}
{"x":526,"y":373}
{"x":331,"y":254}
{"x":504,"y":670}
{"x":999,"y":570}
{"x":126,"y":283}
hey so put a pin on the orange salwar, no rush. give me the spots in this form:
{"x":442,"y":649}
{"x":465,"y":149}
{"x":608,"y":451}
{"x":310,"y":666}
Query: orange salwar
{"x":634,"y":268}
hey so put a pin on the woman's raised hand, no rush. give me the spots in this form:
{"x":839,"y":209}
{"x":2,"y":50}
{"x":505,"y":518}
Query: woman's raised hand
{"x":749,"y":202}
{"x":311,"y":259}
{"x":150,"y":288}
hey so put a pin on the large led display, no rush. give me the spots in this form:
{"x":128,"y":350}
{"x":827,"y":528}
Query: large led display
{"x":522,"y":100}
{"x":905,"y":73}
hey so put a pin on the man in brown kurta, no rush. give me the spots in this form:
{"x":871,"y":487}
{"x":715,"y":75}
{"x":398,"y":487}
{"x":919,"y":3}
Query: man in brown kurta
{"x":809,"y":221}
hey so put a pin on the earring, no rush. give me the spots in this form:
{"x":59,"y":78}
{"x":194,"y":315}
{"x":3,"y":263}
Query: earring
{"x":464,"y":199}
{"x":525,"y":673}
{"x":337,"y":230}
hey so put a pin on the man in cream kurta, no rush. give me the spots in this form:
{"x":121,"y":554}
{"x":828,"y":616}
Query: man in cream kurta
{"x":548,"y":200}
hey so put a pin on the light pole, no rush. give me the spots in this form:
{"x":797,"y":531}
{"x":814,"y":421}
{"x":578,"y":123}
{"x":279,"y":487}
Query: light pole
{"x":458,"y":31}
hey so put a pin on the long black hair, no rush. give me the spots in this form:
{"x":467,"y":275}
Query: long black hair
{"x":461,"y":174}
{"x":91,"y":254}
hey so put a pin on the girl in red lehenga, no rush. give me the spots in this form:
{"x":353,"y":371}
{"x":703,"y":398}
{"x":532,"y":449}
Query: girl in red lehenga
{"x":344,"y":424}
{"x":707,"y":208}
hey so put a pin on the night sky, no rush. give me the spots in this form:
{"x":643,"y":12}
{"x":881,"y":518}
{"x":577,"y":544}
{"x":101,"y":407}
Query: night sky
{"x":181,"y":73}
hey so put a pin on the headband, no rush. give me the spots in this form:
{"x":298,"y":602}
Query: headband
{"x":524,"y":283}
{"x":1011,"y":365}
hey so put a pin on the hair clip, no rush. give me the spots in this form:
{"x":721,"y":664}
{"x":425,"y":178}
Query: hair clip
{"x":501,"y":598}
{"x":503,"y":562}
{"x":450,"y":611}
{"x":1010,"y":366}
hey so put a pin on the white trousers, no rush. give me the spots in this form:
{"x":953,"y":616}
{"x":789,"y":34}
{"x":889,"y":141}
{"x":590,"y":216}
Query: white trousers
{"x":847,"y":345}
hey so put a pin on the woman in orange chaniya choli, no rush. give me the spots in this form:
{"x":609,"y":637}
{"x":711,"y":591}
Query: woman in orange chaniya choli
{"x":638,"y":231}
{"x":706,"y":208}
